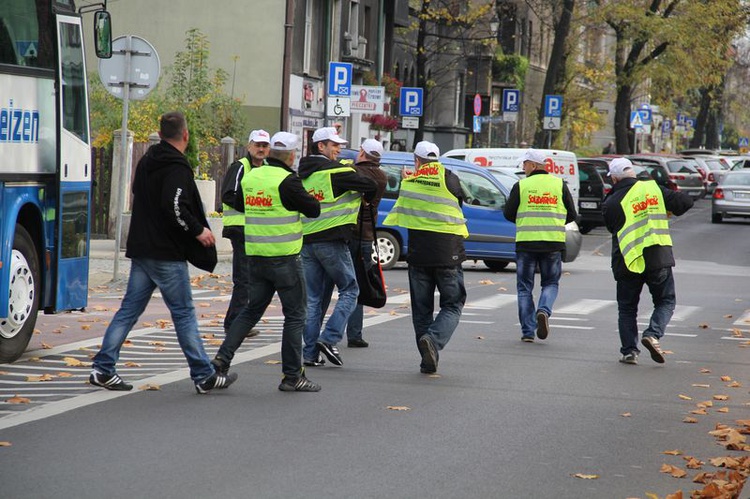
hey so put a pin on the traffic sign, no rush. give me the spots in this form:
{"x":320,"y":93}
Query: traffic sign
{"x":553,"y":107}
{"x":339,"y":79}
{"x":142,"y":72}
{"x":410,"y":101}
{"x":477,"y":105}
{"x":690,"y":122}
{"x":339,"y":107}
{"x":666,"y":127}
{"x":410,"y":122}
{"x":511,"y":100}
{"x":635,"y":120}
{"x":477,"y":122}
{"x":744,"y":142}
{"x":645,"y":115}
{"x":681,"y":119}
{"x":551,"y":123}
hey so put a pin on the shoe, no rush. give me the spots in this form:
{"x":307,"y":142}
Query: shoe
{"x":424,"y":370}
{"x":320,"y":361}
{"x":542,"y":325}
{"x":652,"y":344}
{"x":358,"y":343}
{"x":630,"y":358}
{"x":110,"y":382}
{"x":429,"y":354}
{"x":298,"y":384}
{"x":527,"y":339}
{"x":330,"y":351}
{"x":221,"y":366}
{"x":215,"y":381}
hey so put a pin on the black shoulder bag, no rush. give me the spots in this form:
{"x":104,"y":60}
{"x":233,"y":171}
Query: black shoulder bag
{"x":370,"y":280}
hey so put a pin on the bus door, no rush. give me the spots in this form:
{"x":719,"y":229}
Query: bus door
{"x":74,"y":169}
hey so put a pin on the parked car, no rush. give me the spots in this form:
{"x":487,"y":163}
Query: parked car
{"x":712,"y":168}
{"x":590,"y":198}
{"x":731,"y":197}
{"x":491,"y":236}
{"x":681,"y":172}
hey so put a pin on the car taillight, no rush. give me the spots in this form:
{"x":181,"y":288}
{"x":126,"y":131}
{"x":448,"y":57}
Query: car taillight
{"x":711,"y":177}
{"x":607,"y":190}
{"x":674,"y":176}
{"x":718,"y":193}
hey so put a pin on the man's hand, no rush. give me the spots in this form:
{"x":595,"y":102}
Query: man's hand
{"x":406,"y":173}
{"x":206,"y":238}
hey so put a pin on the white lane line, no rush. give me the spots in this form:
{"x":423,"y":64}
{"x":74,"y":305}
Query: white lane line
{"x":735,"y":338}
{"x":491,"y":302}
{"x":399,"y":299}
{"x":560,"y":326}
{"x":477,"y":322}
{"x":743,"y":320}
{"x":570,"y":319}
{"x":681,"y":312}
{"x":584,"y":307}
{"x":681,"y":335}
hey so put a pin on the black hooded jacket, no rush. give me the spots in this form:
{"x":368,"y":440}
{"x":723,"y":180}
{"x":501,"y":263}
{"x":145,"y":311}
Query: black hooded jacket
{"x":341,"y":182}
{"x":167,"y":209}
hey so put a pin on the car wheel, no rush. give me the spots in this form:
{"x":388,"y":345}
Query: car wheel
{"x":388,"y":249}
{"x":716,"y":218}
{"x":25,"y":279}
{"x":495,"y":265}
{"x":585,"y":228}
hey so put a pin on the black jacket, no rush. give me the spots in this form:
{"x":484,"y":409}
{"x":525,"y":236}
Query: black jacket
{"x":511,"y":212}
{"x":341,"y":182}
{"x":293,"y":195}
{"x":167,"y":210}
{"x":656,"y":257}
{"x":229,"y":188}
{"x":434,"y":249}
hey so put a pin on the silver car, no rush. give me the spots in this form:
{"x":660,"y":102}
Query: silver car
{"x":731,"y":197}
{"x":680,"y":171}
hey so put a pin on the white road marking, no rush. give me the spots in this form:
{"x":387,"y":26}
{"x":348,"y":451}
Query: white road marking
{"x":491,"y":302}
{"x":584,"y":306}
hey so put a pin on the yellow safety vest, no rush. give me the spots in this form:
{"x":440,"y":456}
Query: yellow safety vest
{"x":334,"y":211}
{"x":541,"y":211}
{"x":425,"y":203}
{"x":232,"y":217}
{"x":646,"y":223}
{"x":270,"y":229}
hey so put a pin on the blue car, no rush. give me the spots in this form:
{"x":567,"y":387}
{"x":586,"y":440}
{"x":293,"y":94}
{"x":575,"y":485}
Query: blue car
{"x":491,"y":236}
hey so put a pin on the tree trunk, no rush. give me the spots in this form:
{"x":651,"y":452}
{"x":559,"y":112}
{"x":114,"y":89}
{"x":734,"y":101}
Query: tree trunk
{"x":702,"y":119}
{"x":622,"y":119}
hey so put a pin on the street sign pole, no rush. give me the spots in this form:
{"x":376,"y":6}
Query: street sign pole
{"x":123,"y":157}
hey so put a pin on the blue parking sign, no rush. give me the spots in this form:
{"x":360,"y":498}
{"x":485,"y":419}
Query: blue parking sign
{"x":410,"y":101}
{"x":553,"y":106}
{"x":339,"y":79}
{"x":511,"y":100}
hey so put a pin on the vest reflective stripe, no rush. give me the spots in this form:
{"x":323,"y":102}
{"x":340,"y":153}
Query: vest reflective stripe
{"x":270,"y":229}
{"x":646,"y":224}
{"x":232,"y":217}
{"x":541,"y":211}
{"x":334,"y":211}
{"x":425,"y":203}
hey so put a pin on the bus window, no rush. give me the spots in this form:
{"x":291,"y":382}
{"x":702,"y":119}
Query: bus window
{"x":26,"y":34}
{"x":75,"y":118}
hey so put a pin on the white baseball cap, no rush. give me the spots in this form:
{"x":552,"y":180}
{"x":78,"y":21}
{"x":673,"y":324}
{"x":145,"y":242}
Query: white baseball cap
{"x":373,"y":148}
{"x":618,"y":166}
{"x":259,"y":136}
{"x":327,"y":133}
{"x":532,"y":155}
{"x":284,"y":141}
{"x":426,"y":150}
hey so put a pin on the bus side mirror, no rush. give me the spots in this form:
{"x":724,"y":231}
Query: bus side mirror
{"x":103,"y":34}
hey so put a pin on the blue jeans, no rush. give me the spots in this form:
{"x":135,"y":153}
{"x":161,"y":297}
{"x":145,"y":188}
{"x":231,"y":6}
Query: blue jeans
{"x":268,"y":275}
{"x":173,"y":280}
{"x":449,"y":282}
{"x":322,"y":261}
{"x":550,"y":269}
{"x":660,"y":284}
{"x":240,"y":270}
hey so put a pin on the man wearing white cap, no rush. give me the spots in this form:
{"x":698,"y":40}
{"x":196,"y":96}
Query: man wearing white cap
{"x":636,"y":213}
{"x":234,"y":221}
{"x":429,"y":205}
{"x":273,"y":198}
{"x":540,"y":205}
{"x":325,"y":251}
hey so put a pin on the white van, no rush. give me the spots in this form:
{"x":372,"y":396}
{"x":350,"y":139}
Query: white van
{"x":561,"y":163}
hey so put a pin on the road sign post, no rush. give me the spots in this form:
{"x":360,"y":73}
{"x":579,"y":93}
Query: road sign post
{"x":552,"y":115}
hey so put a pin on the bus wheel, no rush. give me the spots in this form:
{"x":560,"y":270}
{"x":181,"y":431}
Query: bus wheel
{"x":16,"y":329}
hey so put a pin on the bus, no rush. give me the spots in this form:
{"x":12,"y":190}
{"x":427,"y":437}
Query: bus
{"x":45,"y":164}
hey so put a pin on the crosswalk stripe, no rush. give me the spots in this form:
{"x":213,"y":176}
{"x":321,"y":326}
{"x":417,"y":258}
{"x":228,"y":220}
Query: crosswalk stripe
{"x":681,"y":312}
{"x":584,"y":307}
{"x":743,"y":320}
{"x":494,"y":301}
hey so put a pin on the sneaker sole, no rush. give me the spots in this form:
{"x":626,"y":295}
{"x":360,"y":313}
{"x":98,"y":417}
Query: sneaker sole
{"x":332,"y":357}
{"x":527,"y":339}
{"x":429,"y":354}
{"x":120,"y":387}
{"x":656,"y":355}
{"x":631,"y":362}
{"x":542,"y":326}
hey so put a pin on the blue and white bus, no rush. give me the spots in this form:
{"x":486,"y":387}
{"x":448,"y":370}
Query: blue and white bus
{"x":45,"y":164}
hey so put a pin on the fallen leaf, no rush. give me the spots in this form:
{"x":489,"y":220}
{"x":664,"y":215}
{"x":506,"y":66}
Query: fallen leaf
{"x":735,"y":384}
{"x":693,"y":463}
{"x":159,"y":349}
{"x":163,"y":323}
{"x":743,"y":422}
{"x":3,"y":373}
{"x":217,"y":342}
{"x":398,"y":408}
{"x":721,"y":397}
{"x":737,"y":333}
{"x":480,"y":337}
{"x":207,"y":336}
{"x":724,"y":462}
{"x":728,"y":316}
{"x":272,"y":362}
{"x":625,"y":414}
{"x":676,"y":495}
{"x":204,"y":304}
{"x":150,"y":387}
{"x":18,"y":400}
{"x":85,"y":327}
{"x":673,"y":470}
{"x":705,"y":371}
{"x":688,"y":419}
{"x":43,"y":377}
{"x":486,"y":282}
{"x":72,"y":362}
{"x":707,"y":403}
{"x":147,"y":324}
{"x":685,"y":397}
{"x":63,"y":374}
{"x":502,"y":289}
{"x":726,"y":378}
{"x":585,"y":476}
{"x":46,"y":346}
{"x":132,"y":364}
{"x":673,"y":452}
{"x":703,"y":325}
{"x":393,"y":312}
{"x":699,"y":385}
{"x":157,"y":343}
{"x":700,"y":412}
{"x":5,"y":444}
{"x":57,"y":331}
{"x":723,"y":409}
{"x":127,"y":343}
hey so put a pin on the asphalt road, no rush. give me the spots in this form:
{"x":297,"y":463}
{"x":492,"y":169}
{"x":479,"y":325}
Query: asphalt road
{"x":502,"y":419}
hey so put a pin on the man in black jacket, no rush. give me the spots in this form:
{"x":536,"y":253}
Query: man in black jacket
{"x":168,"y":228}
{"x":636,"y":214}
{"x":325,"y":250}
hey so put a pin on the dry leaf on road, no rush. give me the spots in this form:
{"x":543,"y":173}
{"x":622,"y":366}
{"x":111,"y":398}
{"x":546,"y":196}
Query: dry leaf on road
{"x":150,"y":387}
{"x":626,"y":414}
{"x":721,"y":397}
{"x":5,"y":444}
{"x":63,"y":374}
{"x":273,"y":362}
{"x":18,"y":400}
{"x":673,"y":452}
{"x":585,"y":476}
{"x":72,"y":362}
{"x":726,"y":378}
{"x":132,"y":364}
{"x":673,"y":470}
{"x":700,"y":385}
{"x":398,"y":408}
{"x":43,"y":377}
{"x":685,"y":397}
{"x":688,"y":419}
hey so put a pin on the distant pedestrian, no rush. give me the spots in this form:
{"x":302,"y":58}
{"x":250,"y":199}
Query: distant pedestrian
{"x":429,"y":206}
{"x":540,"y":205}
{"x":234,"y":221}
{"x":609,"y":148}
{"x":273,"y":198}
{"x":168,"y":227}
{"x":325,"y":250}
{"x":636,"y":212}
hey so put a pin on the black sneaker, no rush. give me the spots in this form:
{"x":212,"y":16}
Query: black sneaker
{"x":630,"y":358}
{"x":542,"y":325}
{"x":221,"y":366}
{"x":320,"y":361}
{"x":429,"y":354}
{"x":358,"y":343}
{"x":527,"y":339}
{"x":652,"y":344}
{"x":298,"y":384}
{"x":216,"y":380}
{"x":109,"y":381}
{"x":330,"y":351}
